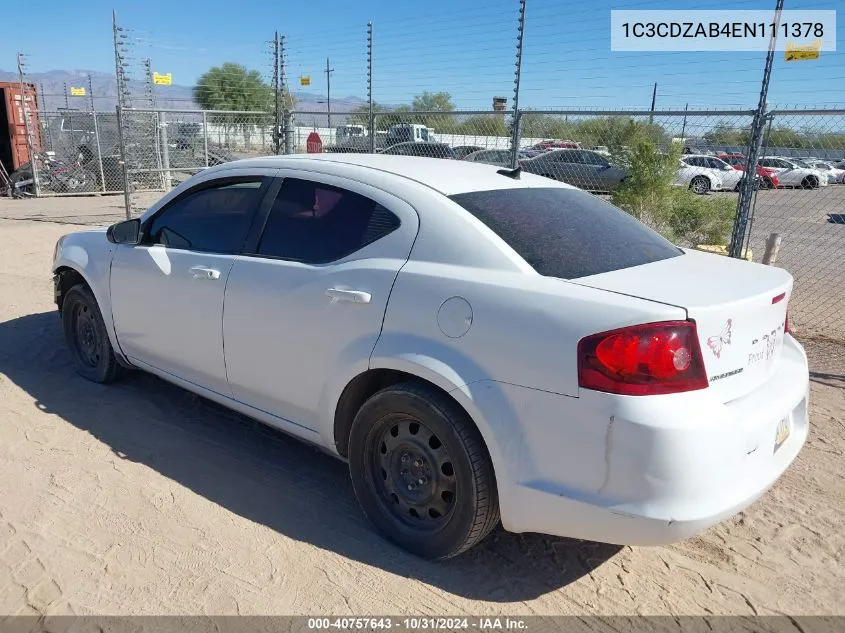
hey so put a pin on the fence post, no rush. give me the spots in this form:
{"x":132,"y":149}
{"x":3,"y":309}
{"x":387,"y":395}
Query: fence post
{"x":205,"y":136}
{"x":772,"y":248}
{"x":99,"y":152}
{"x":165,"y":150}
{"x":371,"y":118}
{"x":746,"y":193}
{"x":127,"y":198}
{"x":288,"y":134}
{"x":515,"y":133}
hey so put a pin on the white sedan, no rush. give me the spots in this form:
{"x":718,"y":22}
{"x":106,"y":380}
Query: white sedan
{"x":793,"y":172}
{"x":834,"y":174}
{"x":478,"y":343}
{"x":703,"y":173}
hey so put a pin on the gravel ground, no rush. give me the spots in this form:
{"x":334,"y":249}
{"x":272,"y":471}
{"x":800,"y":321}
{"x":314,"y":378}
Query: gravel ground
{"x":141,"y":498}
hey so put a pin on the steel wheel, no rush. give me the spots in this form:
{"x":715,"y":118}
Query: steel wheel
{"x":421,"y":471}
{"x":86,"y":336}
{"x":414,"y":474}
{"x":85,"y":343}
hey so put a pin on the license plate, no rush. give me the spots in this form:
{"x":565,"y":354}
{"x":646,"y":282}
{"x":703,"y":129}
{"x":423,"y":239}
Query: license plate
{"x":782,"y":433}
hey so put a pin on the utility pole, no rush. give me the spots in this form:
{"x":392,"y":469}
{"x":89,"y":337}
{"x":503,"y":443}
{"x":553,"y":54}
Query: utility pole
{"x":329,"y":72}
{"x":684,"y":126}
{"x":30,"y":145}
{"x":653,"y":102}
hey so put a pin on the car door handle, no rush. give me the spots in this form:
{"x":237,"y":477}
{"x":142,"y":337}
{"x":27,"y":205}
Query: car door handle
{"x":353,"y":296}
{"x":202,"y":272}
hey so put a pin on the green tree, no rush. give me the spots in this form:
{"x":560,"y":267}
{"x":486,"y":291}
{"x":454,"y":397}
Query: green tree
{"x":482,"y":125}
{"x":361,"y":114}
{"x":234,"y":87}
{"x":434,"y":102}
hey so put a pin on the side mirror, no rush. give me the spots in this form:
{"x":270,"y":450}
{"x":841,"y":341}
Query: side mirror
{"x":126,"y":232}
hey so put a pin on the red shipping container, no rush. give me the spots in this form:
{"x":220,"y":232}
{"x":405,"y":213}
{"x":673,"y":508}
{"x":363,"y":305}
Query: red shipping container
{"x":14,"y":150}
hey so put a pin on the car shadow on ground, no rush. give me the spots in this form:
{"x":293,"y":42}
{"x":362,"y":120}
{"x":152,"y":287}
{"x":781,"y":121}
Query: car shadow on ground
{"x":266,"y":476}
{"x":831,"y":380}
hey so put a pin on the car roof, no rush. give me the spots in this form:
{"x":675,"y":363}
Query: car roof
{"x":449,"y":177}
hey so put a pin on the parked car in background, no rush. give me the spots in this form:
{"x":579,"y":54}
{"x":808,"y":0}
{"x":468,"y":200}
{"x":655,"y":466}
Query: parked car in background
{"x":768,"y":178}
{"x":793,"y":172}
{"x":501,"y":157}
{"x":427,"y":150}
{"x":727,"y":175}
{"x":582,"y":168}
{"x":648,"y":392}
{"x":462,"y":151}
{"x":555,"y":144}
{"x":701,"y":180}
{"x":834,"y":174}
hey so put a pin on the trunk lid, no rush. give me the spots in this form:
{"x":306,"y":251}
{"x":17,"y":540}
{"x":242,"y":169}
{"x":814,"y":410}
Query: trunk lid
{"x":739,"y":309}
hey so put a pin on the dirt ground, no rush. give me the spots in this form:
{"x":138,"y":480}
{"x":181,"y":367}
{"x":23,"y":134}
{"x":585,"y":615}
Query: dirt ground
{"x":140,"y":498}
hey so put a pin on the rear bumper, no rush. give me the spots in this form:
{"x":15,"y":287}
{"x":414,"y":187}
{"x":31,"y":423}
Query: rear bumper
{"x":649,"y":471}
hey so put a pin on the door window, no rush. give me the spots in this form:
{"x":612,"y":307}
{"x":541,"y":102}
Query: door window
{"x":590,"y":158}
{"x":315,"y":223}
{"x":214,"y":219}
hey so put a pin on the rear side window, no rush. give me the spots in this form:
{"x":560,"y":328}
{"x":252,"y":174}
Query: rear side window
{"x":567,"y":233}
{"x":315,"y":223}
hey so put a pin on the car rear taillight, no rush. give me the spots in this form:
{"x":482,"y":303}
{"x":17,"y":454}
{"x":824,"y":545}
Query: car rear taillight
{"x":643,"y":360}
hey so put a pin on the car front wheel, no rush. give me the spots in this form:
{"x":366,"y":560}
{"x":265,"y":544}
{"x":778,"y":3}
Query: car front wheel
{"x":421,"y":471}
{"x":810,"y":182}
{"x":86,"y":336}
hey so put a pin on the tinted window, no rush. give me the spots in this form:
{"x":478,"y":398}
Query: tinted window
{"x":566,"y":233}
{"x":430,"y":150}
{"x":214,"y":219}
{"x":315,"y":223}
{"x":590,"y":158}
{"x":566,"y":156}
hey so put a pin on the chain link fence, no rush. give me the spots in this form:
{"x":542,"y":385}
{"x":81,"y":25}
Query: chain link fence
{"x":165,"y":147}
{"x":678,"y":171}
{"x":79,"y":153}
{"x":805,"y":150}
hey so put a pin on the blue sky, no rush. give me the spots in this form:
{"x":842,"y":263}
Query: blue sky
{"x":466,"y":48}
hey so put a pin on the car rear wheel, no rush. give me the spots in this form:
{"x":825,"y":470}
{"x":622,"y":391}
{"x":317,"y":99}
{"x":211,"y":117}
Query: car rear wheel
{"x":767,"y":183}
{"x":700,"y":185}
{"x":421,"y":471}
{"x":810,"y":182}
{"x":86,"y":336}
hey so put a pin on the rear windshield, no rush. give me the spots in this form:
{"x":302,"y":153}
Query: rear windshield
{"x":567,"y":233}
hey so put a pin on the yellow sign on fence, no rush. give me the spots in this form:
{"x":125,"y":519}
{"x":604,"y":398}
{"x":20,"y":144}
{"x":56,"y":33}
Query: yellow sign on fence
{"x":795,"y":53}
{"x":77,"y":92}
{"x":163,"y":80}
{"x":305,"y":80}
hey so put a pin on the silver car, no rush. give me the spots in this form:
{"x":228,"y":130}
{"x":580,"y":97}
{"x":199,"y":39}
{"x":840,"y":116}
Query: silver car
{"x":582,"y":168}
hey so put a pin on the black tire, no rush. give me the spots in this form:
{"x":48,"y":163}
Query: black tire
{"x":767,"y":183}
{"x":810,"y":182}
{"x":436,"y":460}
{"x":700,"y":185}
{"x":86,"y":336}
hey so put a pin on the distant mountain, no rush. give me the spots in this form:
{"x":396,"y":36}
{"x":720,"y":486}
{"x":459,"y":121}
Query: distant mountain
{"x":54,"y":84}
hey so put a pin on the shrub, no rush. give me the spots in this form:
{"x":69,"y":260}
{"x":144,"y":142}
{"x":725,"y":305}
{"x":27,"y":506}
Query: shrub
{"x":648,"y":193}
